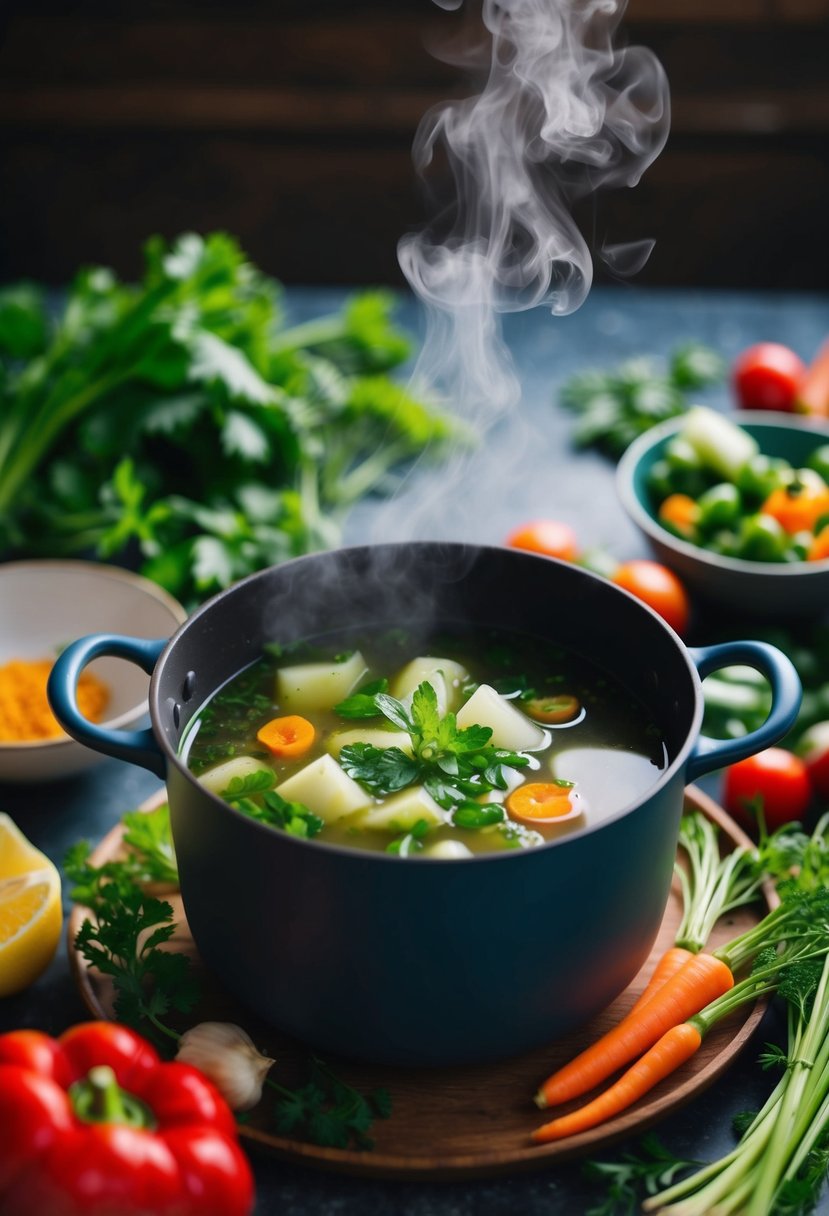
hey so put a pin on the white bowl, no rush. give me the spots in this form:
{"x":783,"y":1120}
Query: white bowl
{"x":46,"y":604}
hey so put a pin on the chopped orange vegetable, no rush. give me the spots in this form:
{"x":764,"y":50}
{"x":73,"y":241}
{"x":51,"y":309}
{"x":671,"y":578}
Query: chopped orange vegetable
{"x":667,"y":966}
{"x":797,"y":507}
{"x":554,"y":710}
{"x":541,"y":802}
{"x":288,"y":737}
{"x":819,"y":548}
{"x":679,"y":512}
{"x":697,"y":982}
{"x":673,"y":1048}
{"x":25,"y":714}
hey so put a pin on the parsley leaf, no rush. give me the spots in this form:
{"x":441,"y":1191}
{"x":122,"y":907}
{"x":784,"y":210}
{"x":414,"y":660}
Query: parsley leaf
{"x":328,"y":1111}
{"x":123,"y":938}
{"x":363,"y":702}
{"x":382,"y":770}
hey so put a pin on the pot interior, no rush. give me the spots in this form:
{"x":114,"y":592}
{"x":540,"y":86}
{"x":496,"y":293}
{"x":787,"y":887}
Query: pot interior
{"x":419,"y":586}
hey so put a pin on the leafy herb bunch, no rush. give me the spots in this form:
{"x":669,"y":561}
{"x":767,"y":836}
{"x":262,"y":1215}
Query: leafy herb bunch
{"x":454,"y":765}
{"x":247,"y":440}
{"x":615,"y":407}
{"x":128,"y":936}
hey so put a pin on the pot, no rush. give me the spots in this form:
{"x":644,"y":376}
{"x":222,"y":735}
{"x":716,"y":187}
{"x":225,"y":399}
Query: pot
{"x":416,"y":961}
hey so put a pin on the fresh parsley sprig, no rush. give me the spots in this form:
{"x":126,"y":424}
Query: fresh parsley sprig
{"x":292,"y":817}
{"x":454,"y":765}
{"x":328,"y":1111}
{"x":124,"y":937}
{"x":362,"y":704}
{"x":633,"y":1176}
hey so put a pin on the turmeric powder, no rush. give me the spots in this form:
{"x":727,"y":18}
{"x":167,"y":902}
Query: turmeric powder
{"x":25,"y":714}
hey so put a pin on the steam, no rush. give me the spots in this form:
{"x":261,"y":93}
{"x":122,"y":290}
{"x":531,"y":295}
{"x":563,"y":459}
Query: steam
{"x":562,"y":114}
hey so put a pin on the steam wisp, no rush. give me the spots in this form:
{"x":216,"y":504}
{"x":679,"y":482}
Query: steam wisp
{"x":561,"y":114}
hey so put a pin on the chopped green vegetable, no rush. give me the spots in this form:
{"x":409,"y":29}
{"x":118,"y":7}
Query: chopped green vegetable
{"x":615,"y":407}
{"x":248,"y":440}
{"x":362,"y":703}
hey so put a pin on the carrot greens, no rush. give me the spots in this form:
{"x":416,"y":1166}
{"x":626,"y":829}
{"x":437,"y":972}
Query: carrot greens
{"x":712,"y":884}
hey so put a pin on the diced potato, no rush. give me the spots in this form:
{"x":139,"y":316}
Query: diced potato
{"x":310,"y":686}
{"x":510,"y":728}
{"x":447,"y":850}
{"x":217,"y":779}
{"x":402,"y":811}
{"x":325,"y":789}
{"x":369,"y":734}
{"x":445,"y":675}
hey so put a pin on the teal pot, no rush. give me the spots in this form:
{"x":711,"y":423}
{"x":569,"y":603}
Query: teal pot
{"x":408,"y":960}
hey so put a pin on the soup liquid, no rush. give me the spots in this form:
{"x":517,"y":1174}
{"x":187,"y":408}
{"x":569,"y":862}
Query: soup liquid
{"x":611,"y":750}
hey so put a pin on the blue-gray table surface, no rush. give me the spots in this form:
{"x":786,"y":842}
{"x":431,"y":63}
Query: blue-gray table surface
{"x":525,"y":468}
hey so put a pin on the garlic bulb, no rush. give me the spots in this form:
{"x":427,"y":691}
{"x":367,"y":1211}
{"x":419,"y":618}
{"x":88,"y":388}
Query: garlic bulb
{"x":226,"y":1055}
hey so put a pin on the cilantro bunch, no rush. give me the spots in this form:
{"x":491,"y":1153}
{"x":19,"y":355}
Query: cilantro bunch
{"x":455,"y":766}
{"x":179,"y":424}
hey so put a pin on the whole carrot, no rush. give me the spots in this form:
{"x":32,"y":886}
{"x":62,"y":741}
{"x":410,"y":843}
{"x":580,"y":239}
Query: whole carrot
{"x":698,"y":981}
{"x":674,"y":1047}
{"x":667,"y":966}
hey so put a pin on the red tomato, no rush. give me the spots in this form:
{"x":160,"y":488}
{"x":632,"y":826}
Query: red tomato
{"x":547,"y":536}
{"x":814,"y":751}
{"x":767,"y":377}
{"x":777,"y":777}
{"x":658,"y":587}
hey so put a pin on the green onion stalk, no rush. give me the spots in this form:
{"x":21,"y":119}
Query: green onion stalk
{"x":780,"y":1162}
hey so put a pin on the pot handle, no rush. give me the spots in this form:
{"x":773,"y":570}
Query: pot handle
{"x":786,"y":694}
{"x":136,"y":746}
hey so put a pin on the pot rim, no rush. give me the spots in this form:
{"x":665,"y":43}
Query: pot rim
{"x":366,"y":856}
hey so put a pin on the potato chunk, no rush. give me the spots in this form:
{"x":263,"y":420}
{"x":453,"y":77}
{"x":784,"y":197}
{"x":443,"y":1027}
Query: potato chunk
{"x":447,"y":850}
{"x":445,"y":675}
{"x":369,"y":734}
{"x":325,"y":789}
{"x":510,"y":728}
{"x":218,"y":778}
{"x":310,"y":686}
{"x":402,"y":811}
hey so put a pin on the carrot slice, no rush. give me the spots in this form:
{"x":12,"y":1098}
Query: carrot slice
{"x":288,"y":737}
{"x":797,"y":508}
{"x":819,"y":548}
{"x":674,"y":1047}
{"x":681,"y":513}
{"x":700,"y":980}
{"x":541,"y":802}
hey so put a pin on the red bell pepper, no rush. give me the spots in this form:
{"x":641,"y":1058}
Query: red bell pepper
{"x":95,"y":1124}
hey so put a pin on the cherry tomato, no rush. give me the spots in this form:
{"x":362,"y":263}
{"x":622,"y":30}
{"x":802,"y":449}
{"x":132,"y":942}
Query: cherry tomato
{"x":814,"y":751}
{"x":767,"y":377}
{"x":777,"y":777}
{"x":547,"y":536}
{"x":658,"y":587}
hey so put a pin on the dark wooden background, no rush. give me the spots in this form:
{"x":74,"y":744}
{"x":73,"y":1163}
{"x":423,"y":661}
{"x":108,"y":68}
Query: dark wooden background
{"x":290,"y":123}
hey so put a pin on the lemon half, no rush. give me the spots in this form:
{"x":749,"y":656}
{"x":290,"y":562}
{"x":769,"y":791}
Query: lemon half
{"x":30,"y":910}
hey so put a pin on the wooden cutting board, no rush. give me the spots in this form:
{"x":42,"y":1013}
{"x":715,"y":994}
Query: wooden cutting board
{"x":459,"y":1122}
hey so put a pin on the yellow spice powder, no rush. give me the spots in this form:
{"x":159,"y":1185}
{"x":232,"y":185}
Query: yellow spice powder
{"x":25,"y":713}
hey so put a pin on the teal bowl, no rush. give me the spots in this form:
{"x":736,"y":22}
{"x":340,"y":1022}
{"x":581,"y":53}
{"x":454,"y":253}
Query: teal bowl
{"x":760,"y":589}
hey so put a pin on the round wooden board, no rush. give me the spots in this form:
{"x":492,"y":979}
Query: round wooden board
{"x":463,"y":1122}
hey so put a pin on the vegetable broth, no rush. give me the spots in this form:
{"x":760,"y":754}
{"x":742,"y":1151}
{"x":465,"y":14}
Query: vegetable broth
{"x":447,"y":743}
